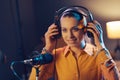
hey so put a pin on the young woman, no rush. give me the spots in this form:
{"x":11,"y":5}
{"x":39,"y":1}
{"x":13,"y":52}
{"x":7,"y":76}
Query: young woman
{"x":78,"y":60}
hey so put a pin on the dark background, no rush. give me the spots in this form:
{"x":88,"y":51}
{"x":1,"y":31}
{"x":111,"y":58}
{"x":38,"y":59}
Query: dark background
{"x":24,"y":22}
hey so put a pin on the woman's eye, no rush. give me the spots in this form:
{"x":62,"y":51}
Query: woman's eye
{"x":75,"y":29}
{"x":63,"y":30}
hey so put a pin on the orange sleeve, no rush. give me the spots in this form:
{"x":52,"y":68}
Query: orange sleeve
{"x":33,"y":74}
{"x":108,"y":66}
{"x":109,"y":70}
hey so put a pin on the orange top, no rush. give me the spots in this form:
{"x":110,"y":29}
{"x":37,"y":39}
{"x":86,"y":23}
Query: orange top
{"x":87,"y":67}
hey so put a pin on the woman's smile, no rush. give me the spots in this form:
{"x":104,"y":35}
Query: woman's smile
{"x":71,"y":41}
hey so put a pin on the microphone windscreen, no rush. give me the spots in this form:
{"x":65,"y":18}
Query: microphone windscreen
{"x":43,"y":59}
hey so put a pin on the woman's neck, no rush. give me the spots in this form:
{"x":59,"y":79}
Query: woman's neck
{"x":79,"y":47}
{"x":77,"y":50}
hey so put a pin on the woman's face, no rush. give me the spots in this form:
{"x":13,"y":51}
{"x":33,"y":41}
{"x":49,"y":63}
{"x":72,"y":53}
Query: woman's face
{"x":71,"y":32}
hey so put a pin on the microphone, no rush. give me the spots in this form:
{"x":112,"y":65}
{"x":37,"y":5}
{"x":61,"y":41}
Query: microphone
{"x":39,"y":59}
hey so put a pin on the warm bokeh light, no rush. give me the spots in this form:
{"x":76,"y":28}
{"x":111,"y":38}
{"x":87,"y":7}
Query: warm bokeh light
{"x":103,"y":9}
{"x":113,"y":29}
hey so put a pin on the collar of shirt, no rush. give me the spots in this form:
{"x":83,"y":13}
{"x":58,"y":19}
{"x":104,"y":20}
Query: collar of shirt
{"x":89,"y":49}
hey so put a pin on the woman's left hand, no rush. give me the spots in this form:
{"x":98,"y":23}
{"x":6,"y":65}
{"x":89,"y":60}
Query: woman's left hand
{"x":96,"y":29}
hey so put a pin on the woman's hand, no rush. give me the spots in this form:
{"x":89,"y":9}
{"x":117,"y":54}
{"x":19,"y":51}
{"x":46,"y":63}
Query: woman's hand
{"x":95,"y":28}
{"x":49,"y":37}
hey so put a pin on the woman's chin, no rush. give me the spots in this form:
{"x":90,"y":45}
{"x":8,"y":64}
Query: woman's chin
{"x":73,"y":45}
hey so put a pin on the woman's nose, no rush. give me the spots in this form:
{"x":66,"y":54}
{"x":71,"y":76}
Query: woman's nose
{"x":70,"y":34}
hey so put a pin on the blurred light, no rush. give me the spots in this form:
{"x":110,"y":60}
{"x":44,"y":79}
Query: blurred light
{"x":113,"y":29}
{"x":113,"y":32}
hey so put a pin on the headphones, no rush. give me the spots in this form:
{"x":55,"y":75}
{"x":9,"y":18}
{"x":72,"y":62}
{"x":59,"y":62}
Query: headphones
{"x":76,"y":9}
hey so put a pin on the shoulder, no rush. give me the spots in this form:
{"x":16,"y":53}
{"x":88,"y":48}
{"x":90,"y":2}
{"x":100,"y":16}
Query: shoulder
{"x":60,"y":50}
{"x":103,"y":55}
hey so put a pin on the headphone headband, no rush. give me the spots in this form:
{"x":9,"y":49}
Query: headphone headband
{"x":89,"y":14}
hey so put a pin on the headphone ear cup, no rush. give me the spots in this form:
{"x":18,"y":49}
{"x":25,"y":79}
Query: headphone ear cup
{"x":57,"y":23}
{"x":90,"y":35}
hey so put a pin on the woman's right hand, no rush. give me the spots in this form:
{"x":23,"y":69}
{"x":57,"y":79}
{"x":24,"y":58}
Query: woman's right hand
{"x":49,"y":37}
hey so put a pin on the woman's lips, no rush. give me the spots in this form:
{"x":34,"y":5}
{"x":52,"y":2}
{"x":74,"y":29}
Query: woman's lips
{"x":71,"y":40}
